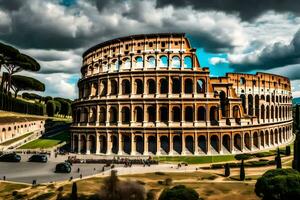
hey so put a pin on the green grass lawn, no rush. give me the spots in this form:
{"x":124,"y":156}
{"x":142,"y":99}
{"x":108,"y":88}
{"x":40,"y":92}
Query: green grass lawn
{"x":195,"y":159}
{"x":48,"y":142}
{"x":16,"y":139}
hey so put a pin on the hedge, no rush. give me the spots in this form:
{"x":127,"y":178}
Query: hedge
{"x":9,"y":103}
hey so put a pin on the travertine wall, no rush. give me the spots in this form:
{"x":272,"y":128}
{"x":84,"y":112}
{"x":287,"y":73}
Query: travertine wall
{"x":147,"y":94}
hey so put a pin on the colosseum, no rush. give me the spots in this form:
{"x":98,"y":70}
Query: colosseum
{"x":148,"y":95}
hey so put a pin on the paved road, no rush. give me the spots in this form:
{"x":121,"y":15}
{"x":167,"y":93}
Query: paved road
{"x":43,"y":172}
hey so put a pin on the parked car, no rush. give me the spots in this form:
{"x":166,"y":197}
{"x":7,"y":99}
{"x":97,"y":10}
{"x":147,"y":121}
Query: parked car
{"x":38,"y":158}
{"x":10,"y":157}
{"x":63,"y":168}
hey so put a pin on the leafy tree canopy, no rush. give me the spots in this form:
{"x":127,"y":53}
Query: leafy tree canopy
{"x":20,"y":83}
{"x":279,"y":184}
{"x":179,"y":192}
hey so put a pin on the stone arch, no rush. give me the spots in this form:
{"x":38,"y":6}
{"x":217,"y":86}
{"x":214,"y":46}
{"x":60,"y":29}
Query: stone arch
{"x":113,"y":115}
{"x":164,"y":86}
{"x":267,"y":140}
{"x":243,"y":98}
{"x":113,"y":87}
{"x":200,"y":86}
{"x":103,"y":144}
{"x":126,"y":88}
{"x":201,"y":115}
{"x":151,"y":62}
{"x":262,"y":141}
{"x":250,"y":104}
{"x":188,"y":86}
{"x":247,"y":141}
{"x":151,"y":114}
{"x":267,"y":112}
{"x":93,"y":114}
{"x":152,"y":147}
{"x":223,"y":103}
{"x":271,"y":138}
{"x":214,"y":115}
{"x":139,"y":86}
{"x":272,"y":112}
{"x":139,"y":115}
{"x":226,"y":142}
{"x":255,"y":140}
{"x":177,"y":144}
{"x":139,"y":141}
{"x":188,"y":63}
{"x":276,"y":136}
{"x":202,"y":143}
{"x":78,"y":115}
{"x":151,"y":86}
{"x":139,"y":62}
{"x":83,"y":144}
{"x":176,"y":85}
{"x":189,"y":144}
{"x":164,"y":114}
{"x":103,"y":86}
{"x":164,"y":61}
{"x":280,"y":135}
{"x":126,"y":115}
{"x":92,"y":144}
{"x":126,"y":139}
{"x":238,"y":142}
{"x":164,"y":144}
{"x":176,"y":114}
{"x":188,"y":115}
{"x":276,"y":112}
{"x":102,"y":115}
{"x":262,"y":112}
{"x":76,"y":140}
{"x":215,"y":143}
{"x":257,"y":106}
{"x":176,"y":62}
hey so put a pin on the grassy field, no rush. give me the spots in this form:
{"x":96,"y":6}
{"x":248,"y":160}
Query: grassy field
{"x":48,"y":142}
{"x":195,"y":159}
{"x":16,"y":139}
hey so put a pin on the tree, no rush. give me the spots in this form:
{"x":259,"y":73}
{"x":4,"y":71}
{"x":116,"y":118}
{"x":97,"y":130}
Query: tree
{"x":57,"y":107}
{"x":227,"y":170}
{"x":279,"y":184}
{"x":179,"y":192}
{"x":50,"y":108}
{"x":6,"y":53}
{"x":242,"y":171}
{"x":74,"y":195}
{"x":20,"y":83}
{"x":278,"y":160}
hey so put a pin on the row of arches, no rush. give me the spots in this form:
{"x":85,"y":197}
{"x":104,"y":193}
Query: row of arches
{"x":150,"y":113}
{"x":179,"y":144}
{"x":165,"y":85}
{"x":138,"y":62}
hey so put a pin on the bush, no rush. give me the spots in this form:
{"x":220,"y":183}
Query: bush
{"x":245,"y":156}
{"x":179,"y":192}
{"x":264,"y":154}
{"x":283,"y":184}
{"x":217,"y":166}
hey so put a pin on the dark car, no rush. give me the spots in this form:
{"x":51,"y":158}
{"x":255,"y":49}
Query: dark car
{"x":10,"y":157}
{"x":38,"y":158}
{"x":63,"y":168}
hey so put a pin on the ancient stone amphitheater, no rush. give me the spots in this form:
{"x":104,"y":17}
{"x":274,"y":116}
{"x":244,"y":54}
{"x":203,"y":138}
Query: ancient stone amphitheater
{"x":149,"y":95}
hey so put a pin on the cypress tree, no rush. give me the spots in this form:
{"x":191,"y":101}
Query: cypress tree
{"x":242,"y":171}
{"x":74,"y":195}
{"x":278,"y":160}
{"x":227,"y":170}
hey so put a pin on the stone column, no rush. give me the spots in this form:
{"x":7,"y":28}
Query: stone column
{"x":157,"y":145}
{"x":171,"y":150}
{"x":133,"y":144}
{"x":107,"y":115}
{"x":120,"y":146}
{"x":146,"y":151}
{"x":157,"y":120}
{"x":108,"y":140}
{"x":97,"y":115}
{"x":183,"y":152}
{"x":79,"y":144}
{"x":182,"y":114}
{"x":196,"y":149}
{"x":169,"y":115}
{"x":97,"y":144}
{"x":242,"y":142}
{"x":87,"y":145}
{"x":119,"y":111}
{"x":208,"y":144}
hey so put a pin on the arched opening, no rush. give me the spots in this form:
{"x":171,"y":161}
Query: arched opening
{"x":75,"y":147}
{"x":188,"y":86}
{"x":164,"y":144}
{"x":127,"y":63}
{"x":82,"y":144}
{"x":139,"y":86}
{"x":103,"y":88}
{"x":176,"y":114}
{"x":78,"y":118}
{"x":189,"y":144}
{"x":243,"y":98}
{"x":226,"y":142}
{"x":200,"y":86}
{"x":113,"y":87}
{"x":164,"y":86}
{"x":152,"y":144}
{"x":151,"y":86}
{"x":177,"y":144}
{"x":93,"y":115}
{"x":223,"y":103}
{"x":250,"y":104}
{"x":202,"y":143}
{"x":113,"y":115}
{"x":272,"y":137}
{"x":139,"y":62}
{"x":126,"y":89}
{"x":92,"y":144}
{"x":188,"y":62}
{"x":176,"y":85}
{"x":214,"y":115}
{"x":151,"y":62}
{"x":103,"y":144}
{"x":255,"y":139}
{"x":201,"y":115}
{"x":272,"y":112}
{"x":242,"y":81}
{"x":102,"y":115}
{"x":151,"y":114}
{"x":267,"y":112}
{"x":164,"y":61}
{"x":214,"y":141}
{"x":139,"y":144}
{"x":126,"y":144}
{"x":238,"y":142}
{"x":164,"y":114}
{"x":125,"y":115}
{"x":247,"y":141}
{"x":276,"y":136}
{"x":236,"y":114}
{"x":267,"y":141}
{"x":139,"y":115}
{"x":115,"y":144}
{"x":175,"y":62}
{"x":189,"y":114}
{"x":262,"y":112}
{"x":257,"y":106}
{"x":85,"y":114}
{"x":262,"y":141}
{"x":280,"y":135}
{"x":276,"y":112}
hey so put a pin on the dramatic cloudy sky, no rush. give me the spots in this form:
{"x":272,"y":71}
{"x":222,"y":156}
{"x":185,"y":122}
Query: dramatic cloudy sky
{"x":230,"y":35}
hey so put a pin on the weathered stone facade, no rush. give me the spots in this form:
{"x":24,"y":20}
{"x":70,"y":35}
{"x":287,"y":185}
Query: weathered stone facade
{"x":148,"y":95}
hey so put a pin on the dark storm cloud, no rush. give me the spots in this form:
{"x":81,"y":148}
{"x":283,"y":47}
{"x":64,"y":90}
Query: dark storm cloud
{"x":272,"y":56}
{"x":11,"y":5}
{"x":247,"y":9}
